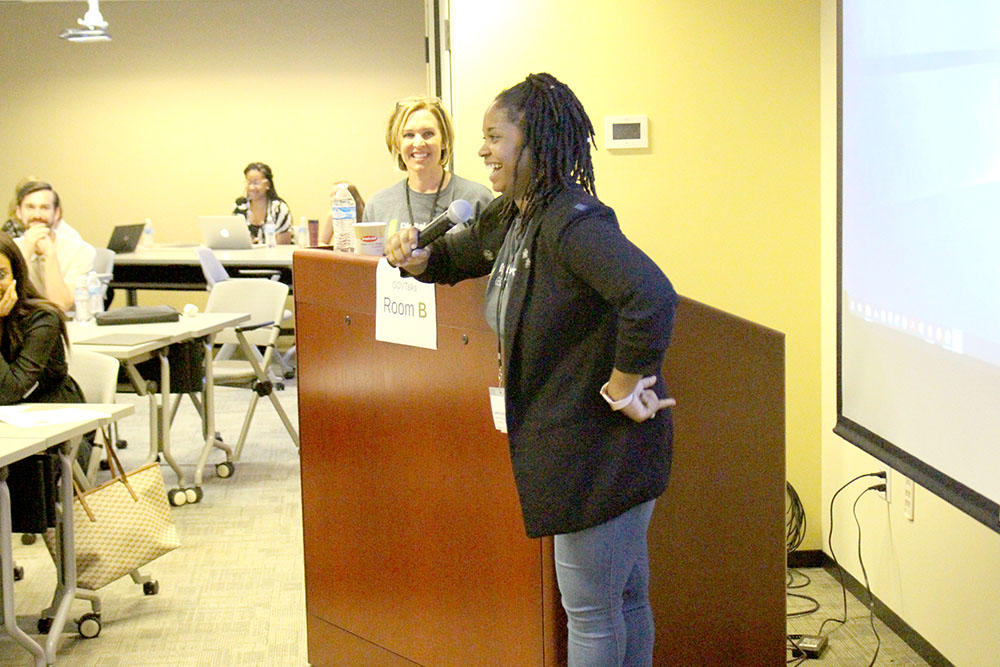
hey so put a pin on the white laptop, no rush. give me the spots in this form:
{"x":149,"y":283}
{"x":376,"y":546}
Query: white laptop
{"x":224,"y":232}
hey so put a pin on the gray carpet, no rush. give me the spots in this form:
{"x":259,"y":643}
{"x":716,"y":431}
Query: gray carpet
{"x":233,"y":593}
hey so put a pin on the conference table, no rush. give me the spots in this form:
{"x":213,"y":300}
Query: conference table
{"x":19,"y":440}
{"x":132,"y":344}
{"x":176,"y":267}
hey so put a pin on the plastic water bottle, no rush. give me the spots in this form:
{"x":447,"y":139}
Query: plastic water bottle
{"x":94,"y":294}
{"x":302,"y":233}
{"x":344,"y":216}
{"x":81,"y":301}
{"x":270,"y":238}
{"x":147,"y":235}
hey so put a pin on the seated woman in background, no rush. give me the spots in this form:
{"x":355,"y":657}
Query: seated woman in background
{"x":262,"y":204}
{"x":32,"y":370}
{"x":421,"y":139}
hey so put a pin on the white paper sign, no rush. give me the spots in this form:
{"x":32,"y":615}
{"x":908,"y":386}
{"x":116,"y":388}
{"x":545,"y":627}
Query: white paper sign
{"x":405,"y":309}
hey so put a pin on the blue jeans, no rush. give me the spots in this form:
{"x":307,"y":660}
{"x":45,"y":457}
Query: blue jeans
{"x":603,"y":575}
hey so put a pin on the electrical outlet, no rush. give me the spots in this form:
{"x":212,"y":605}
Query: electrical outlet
{"x":887,"y":494}
{"x":908,"y":489}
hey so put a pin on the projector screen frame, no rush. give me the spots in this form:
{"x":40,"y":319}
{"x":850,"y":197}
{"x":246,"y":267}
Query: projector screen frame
{"x":972,"y":503}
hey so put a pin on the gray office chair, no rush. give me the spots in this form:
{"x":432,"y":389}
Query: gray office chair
{"x":97,"y":375}
{"x":214,"y":273}
{"x":265,"y":301}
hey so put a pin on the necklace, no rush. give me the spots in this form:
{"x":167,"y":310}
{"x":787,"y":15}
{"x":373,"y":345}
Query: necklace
{"x":409,"y":209}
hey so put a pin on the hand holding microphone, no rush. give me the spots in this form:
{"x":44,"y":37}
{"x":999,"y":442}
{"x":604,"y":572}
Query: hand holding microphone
{"x":405,"y":249}
{"x":458,"y":212}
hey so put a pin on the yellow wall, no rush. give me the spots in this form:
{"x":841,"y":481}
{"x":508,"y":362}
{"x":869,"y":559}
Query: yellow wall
{"x":160,"y":121}
{"x":735,"y":198}
{"x":726,"y":198}
{"x":940,"y":571}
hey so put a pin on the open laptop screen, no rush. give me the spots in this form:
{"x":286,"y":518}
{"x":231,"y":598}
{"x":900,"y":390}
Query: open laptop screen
{"x":224,"y":232}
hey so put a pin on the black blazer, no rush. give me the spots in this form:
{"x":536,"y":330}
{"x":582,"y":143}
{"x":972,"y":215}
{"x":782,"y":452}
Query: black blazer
{"x":583,"y":300}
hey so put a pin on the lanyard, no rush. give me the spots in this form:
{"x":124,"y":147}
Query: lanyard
{"x":409,"y":209}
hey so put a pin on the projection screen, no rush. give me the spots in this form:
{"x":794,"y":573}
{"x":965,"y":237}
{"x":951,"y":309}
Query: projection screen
{"x":919,"y":243}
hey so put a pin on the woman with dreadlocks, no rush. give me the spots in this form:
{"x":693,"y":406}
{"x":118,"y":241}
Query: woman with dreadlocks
{"x":583,"y":318}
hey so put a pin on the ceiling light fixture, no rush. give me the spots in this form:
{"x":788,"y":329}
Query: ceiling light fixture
{"x":94,"y":26}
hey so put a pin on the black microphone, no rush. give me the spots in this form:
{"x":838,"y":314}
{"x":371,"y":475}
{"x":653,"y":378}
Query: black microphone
{"x":458,"y":212}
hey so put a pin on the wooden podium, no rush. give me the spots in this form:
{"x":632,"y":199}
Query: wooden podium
{"x":415,"y":552}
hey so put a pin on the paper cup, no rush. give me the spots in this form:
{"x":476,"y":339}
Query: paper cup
{"x":370,"y":237}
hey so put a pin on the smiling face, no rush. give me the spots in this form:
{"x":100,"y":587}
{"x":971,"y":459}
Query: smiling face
{"x":38,"y":208}
{"x":502,"y":152}
{"x":257,"y":184}
{"x":420,"y":142}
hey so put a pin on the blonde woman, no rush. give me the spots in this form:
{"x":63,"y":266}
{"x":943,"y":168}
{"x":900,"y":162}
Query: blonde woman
{"x":420,"y":137}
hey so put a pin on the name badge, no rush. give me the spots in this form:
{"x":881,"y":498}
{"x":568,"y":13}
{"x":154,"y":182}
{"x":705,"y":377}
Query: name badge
{"x":499,"y":408}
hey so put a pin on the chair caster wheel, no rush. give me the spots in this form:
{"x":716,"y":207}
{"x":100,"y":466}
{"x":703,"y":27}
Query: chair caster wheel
{"x":28,"y":538}
{"x":121,"y":444}
{"x":224,"y":470}
{"x":89,"y":625}
{"x":194,"y":495}
{"x":44,"y":625}
{"x":177,"y":497}
{"x":151,"y":587}
{"x":103,"y":465}
{"x":18,"y":572}
{"x":289,"y":375}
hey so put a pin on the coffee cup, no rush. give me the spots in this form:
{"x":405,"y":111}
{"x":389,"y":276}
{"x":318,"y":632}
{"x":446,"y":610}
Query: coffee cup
{"x":369,"y":238}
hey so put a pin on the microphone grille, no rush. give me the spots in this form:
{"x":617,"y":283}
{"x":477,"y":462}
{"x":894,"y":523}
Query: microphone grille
{"x":459,"y":211}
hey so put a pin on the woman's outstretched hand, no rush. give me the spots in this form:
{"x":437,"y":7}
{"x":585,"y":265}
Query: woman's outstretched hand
{"x":401,"y":251}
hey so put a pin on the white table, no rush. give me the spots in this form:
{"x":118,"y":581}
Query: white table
{"x":19,"y":442}
{"x":176,"y":267}
{"x":159,"y":336}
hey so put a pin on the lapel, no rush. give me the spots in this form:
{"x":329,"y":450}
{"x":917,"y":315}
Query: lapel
{"x":525,"y":262}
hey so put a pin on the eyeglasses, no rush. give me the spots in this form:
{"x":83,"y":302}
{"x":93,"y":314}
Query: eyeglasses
{"x":257,"y":184}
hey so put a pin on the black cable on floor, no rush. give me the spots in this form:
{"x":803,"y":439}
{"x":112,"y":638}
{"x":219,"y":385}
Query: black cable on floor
{"x":871,"y":601}
{"x":795,"y":520}
{"x":795,"y":532}
{"x":833,"y":556}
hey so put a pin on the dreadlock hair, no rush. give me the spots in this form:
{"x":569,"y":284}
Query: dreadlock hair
{"x":556,"y":132}
{"x":29,"y":299}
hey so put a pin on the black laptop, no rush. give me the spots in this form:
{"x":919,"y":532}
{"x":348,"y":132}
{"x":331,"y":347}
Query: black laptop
{"x":125,"y":238}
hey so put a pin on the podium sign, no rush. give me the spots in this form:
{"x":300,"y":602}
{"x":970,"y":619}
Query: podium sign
{"x":405,"y":309}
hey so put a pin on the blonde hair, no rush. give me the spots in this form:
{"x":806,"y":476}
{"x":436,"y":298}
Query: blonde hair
{"x":404,"y":108}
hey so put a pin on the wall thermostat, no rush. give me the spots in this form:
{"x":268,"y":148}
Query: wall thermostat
{"x":626,"y":132}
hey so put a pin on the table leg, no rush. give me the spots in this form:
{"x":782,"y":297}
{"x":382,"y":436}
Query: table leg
{"x":208,"y":412}
{"x":7,"y":577}
{"x":142,"y":389}
{"x":181,"y":495}
{"x":66,"y":572}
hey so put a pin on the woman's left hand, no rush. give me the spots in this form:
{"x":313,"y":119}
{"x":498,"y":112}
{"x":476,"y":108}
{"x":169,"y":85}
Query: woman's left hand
{"x":9,"y":299}
{"x":645,"y":403}
{"x":642,"y":403}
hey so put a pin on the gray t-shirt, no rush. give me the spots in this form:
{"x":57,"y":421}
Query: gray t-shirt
{"x":390,"y":204}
